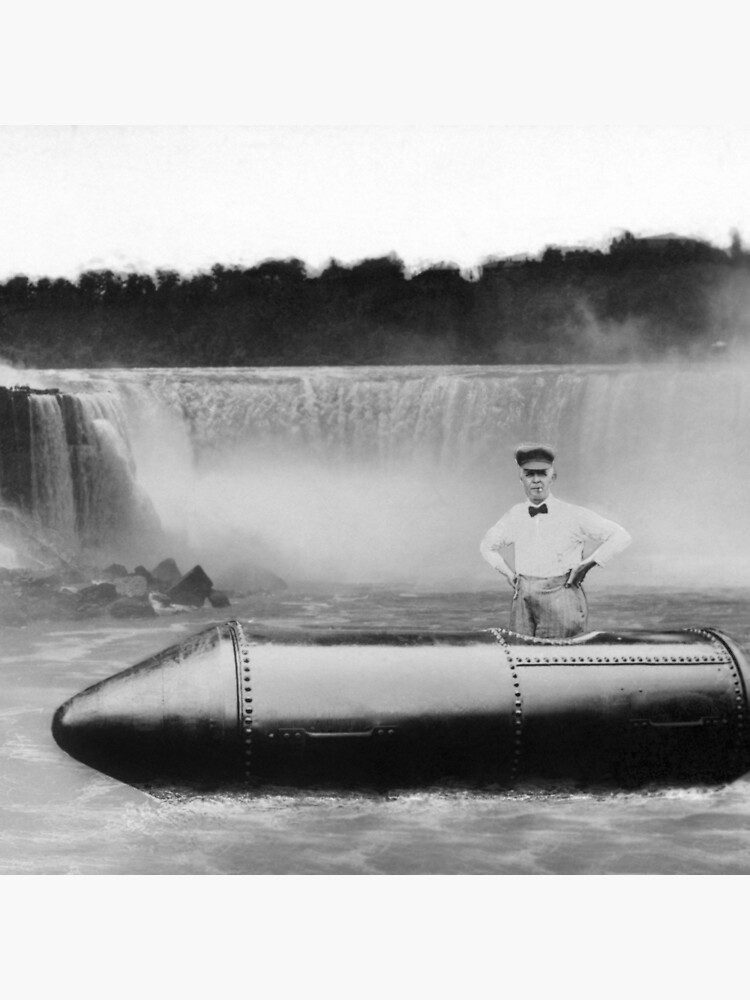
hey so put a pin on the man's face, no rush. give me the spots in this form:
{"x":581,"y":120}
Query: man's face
{"x":537,"y":481}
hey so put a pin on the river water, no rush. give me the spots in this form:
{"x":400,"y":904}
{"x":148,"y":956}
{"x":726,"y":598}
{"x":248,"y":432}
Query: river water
{"x":58,"y":816}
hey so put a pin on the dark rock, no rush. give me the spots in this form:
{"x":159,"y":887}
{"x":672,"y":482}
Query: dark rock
{"x":142,"y":571}
{"x":218,"y":599}
{"x":132,"y":607}
{"x":132,"y":585}
{"x":192,"y":589}
{"x":166,"y":574}
{"x":113,"y":571}
{"x":97,"y":593}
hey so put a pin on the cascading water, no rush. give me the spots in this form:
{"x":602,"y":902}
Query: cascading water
{"x":390,"y":475}
{"x":67,"y":479}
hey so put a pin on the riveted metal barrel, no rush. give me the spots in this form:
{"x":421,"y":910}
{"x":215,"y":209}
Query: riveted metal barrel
{"x":239,"y":707}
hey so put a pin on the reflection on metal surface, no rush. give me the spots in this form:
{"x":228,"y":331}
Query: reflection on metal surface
{"x":488,"y":709}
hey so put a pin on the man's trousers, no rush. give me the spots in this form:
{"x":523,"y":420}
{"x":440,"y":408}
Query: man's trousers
{"x":545,"y":607}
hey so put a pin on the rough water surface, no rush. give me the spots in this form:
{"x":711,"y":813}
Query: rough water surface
{"x":58,"y":816}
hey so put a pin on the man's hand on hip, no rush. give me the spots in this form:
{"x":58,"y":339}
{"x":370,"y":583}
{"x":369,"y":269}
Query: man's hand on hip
{"x":578,"y":573}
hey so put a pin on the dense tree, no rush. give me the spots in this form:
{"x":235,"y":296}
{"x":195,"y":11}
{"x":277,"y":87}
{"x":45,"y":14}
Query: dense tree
{"x":568,"y":305}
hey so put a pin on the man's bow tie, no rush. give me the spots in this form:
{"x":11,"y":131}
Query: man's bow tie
{"x":541,"y":509}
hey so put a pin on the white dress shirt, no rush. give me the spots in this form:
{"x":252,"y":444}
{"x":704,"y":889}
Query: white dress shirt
{"x":551,"y":544}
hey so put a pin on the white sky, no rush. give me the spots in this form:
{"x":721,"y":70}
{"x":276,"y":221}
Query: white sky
{"x":186,"y":197}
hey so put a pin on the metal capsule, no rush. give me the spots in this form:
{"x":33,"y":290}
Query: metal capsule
{"x":235,"y":707}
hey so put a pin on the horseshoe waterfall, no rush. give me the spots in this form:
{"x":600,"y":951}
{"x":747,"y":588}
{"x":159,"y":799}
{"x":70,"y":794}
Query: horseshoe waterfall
{"x":370,"y":476}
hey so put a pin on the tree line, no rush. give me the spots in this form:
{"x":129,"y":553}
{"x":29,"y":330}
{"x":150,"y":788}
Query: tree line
{"x":638,"y":299}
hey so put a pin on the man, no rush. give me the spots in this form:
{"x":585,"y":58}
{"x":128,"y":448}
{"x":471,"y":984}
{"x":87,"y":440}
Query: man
{"x":549,"y":538}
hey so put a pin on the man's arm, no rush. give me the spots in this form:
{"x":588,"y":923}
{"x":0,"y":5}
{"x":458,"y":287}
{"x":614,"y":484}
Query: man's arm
{"x":495,"y":539}
{"x":614,"y":543}
{"x":613,"y":537}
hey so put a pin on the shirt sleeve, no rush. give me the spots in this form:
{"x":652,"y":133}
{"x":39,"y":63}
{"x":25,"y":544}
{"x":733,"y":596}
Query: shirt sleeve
{"x":499,"y":535}
{"x":614,"y":538}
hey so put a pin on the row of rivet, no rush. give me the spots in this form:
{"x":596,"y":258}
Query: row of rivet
{"x":246,"y":696}
{"x":570,"y":660}
{"x":531,"y":640}
{"x":517,"y":728}
{"x":739,"y":696}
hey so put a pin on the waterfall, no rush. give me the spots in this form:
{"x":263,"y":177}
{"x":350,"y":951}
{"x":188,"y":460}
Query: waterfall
{"x":387,"y":475}
{"x":68,"y":484}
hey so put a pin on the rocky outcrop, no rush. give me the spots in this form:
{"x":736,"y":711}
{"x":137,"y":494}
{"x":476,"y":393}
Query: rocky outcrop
{"x":72,"y":593}
{"x":97,"y":594}
{"x":132,"y":585}
{"x":142,"y":571}
{"x":166,"y":574}
{"x":113,"y":571}
{"x":192,"y":590}
{"x":218,"y":599}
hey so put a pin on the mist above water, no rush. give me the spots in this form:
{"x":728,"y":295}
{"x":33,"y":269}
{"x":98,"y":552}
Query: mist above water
{"x":392,"y":475}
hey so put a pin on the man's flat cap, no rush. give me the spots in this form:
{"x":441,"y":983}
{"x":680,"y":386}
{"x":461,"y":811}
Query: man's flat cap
{"x":540,"y":455}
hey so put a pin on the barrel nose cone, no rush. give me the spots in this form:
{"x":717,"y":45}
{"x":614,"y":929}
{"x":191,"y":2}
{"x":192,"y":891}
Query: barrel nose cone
{"x":87,"y":728}
{"x":173,"y":715}
{"x":83,"y":731}
{"x":62,"y":727}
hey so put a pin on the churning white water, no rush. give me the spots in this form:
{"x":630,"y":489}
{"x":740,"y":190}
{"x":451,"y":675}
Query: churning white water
{"x":392,"y":475}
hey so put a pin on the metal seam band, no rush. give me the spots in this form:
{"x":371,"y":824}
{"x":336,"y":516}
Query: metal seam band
{"x":572,"y":661}
{"x":722,"y":655}
{"x":739,"y":692}
{"x":244,"y":693}
{"x":517,"y":706}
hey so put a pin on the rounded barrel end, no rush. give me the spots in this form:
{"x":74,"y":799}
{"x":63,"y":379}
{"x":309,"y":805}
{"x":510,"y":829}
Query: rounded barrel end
{"x":170,"y":717}
{"x":60,"y":727}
